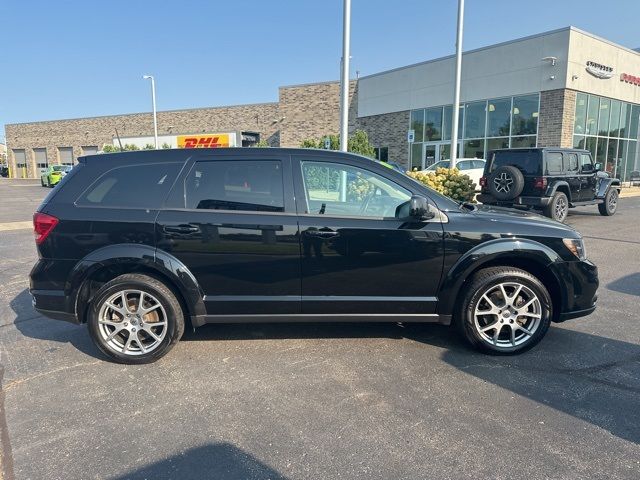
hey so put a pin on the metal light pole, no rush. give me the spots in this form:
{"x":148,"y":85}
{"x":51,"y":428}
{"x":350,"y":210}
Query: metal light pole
{"x":456,"y":94}
{"x":153,"y":102}
{"x":344,"y":95}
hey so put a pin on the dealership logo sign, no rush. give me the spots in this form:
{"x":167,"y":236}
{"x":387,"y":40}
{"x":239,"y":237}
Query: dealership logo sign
{"x":632,"y":79}
{"x":599,"y":71}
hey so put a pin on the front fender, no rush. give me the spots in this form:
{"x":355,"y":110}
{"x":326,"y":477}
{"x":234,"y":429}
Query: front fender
{"x":604,"y":184}
{"x":132,"y":256}
{"x":504,"y":250}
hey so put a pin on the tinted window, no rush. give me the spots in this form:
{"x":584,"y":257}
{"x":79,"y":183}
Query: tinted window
{"x":137,"y":186}
{"x":235,"y":185}
{"x":528,"y":161}
{"x":572,"y":162}
{"x":554,"y":162}
{"x":343,"y":190}
{"x":586,"y":163}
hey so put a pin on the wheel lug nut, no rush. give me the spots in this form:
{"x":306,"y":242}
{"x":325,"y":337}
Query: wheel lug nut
{"x":126,"y":324}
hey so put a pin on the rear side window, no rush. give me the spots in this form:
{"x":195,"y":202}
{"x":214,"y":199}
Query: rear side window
{"x":554,"y":163}
{"x":572,"y":162}
{"x":134,"y":186}
{"x":235,"y":185}
{"x":528,"y":161}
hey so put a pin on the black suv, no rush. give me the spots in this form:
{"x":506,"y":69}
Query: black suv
{"x":139,"y":244}
{"x":549,"y":179}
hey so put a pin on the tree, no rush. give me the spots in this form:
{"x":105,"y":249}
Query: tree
{"x":310,"y":143}
{"x":165,"y":146}
{"x":262,"y":143}
{"x":148,"y":146}
{"x":358,"y":143}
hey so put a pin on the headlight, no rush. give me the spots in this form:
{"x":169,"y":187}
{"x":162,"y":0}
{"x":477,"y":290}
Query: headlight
{"x":576,"y":246}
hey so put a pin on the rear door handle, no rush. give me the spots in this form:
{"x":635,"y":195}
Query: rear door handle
{"x":181,"y":229}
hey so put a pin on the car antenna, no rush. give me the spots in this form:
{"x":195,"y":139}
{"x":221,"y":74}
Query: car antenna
{"x":118,"y":137}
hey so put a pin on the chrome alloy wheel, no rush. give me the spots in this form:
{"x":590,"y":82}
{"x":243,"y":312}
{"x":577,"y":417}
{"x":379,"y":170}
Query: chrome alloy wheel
{"x":503,"y":182}
{"x":507,"y":315}
{"x":613,"y":201}
{"x":561,"y":208}
{"x":132,"y":322}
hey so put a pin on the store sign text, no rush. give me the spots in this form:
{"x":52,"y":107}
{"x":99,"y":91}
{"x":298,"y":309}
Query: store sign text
{"x":598,"y":70}
{"x":203,"y":141}
{"x":632,"y":79}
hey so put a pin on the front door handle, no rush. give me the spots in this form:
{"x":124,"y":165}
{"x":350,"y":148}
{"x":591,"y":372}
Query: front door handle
{"x":181,"y":229}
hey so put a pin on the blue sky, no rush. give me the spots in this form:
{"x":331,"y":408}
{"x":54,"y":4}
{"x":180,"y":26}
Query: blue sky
{"x":66,"y":59}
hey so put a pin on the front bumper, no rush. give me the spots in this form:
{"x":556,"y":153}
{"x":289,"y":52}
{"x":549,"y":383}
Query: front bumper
{"x":579,"y":282}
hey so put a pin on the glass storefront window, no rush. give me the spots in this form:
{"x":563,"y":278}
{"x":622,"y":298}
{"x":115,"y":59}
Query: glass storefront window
{"x":603,"y":116}
{"x":433,"y":124}
{"x":499,"y":117}
{"x":473,"y":149}
{"x":613,"y":162}
{"x":592,"y":116}
{"x":447,"y":118}
{"x":632,"y":162}
{"x":496,"y":143}
{"x":474,"y":120}
{"x":525,"y":115}
{"x":591,"y":145}
{"x":523,"y":142}
{"x":581,"y":113}
{"x":633,"y":122}
{"x":614,"y":122}
{"x":416,"y":156}
{"x":579,"y":141}
{"x":625,"y":109}
{"x":601,"y":150}
{"x":417,"y":124}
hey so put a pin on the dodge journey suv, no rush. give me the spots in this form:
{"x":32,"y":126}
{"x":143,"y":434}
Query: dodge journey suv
{"x":139,"y":245}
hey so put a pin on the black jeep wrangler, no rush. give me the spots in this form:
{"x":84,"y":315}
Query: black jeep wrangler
{"x":549,"y":179}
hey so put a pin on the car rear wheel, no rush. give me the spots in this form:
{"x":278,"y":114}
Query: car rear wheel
{"x":610,"y":204}
{"x":504,"y":311}
{"x":135,"y":319}
{"x":558,"y":207}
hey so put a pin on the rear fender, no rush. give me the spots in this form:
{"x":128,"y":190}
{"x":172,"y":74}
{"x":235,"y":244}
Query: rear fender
{"x":135,"y":257}
{"x":561,"y":185}
{"x":504,"y":251}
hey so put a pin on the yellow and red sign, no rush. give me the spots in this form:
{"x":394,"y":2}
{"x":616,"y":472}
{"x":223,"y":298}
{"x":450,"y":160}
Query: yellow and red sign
{"x":207,"y":140}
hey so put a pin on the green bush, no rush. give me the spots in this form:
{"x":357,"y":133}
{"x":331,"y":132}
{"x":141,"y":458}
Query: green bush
{"x":449,"y":182}
{"x":358,"y":142}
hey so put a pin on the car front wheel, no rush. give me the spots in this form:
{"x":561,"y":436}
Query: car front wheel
{"x":504,"y":311}
{"x":135,"y":319}
{"x":610,"y":204}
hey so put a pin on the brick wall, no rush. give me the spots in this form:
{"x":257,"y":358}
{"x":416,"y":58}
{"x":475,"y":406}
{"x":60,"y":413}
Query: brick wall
{"x":98,"y":131}
{"x":389,"y":130}
{"x":312,"y":111}
{"x":556,"y":118}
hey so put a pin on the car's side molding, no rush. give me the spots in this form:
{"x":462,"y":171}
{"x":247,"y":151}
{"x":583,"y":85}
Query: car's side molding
{"x":511,"y":250}
{"x":144,"y":256}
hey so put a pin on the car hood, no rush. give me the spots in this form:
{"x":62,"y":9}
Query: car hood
{"x":523,"y":222}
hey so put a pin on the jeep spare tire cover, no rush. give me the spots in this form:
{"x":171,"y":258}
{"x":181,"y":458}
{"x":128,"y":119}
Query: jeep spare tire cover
{"x":506,"y":183}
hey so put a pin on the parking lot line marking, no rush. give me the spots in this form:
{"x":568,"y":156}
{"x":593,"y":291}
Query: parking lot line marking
{"x":5,"y":227}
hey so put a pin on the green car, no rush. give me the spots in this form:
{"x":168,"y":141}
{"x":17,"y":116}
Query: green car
{"x":53,"y":175}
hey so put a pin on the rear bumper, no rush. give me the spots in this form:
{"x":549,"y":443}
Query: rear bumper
{"x":536,"y":202}
{"x":53,"y":304}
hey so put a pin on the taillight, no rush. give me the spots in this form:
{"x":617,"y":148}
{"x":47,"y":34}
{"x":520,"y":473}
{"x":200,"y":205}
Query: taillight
{"x":483,"y":181}
{"x":43,"y":225}
{"x":540,"y":182}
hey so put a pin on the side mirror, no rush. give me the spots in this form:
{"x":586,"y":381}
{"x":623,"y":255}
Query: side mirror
{"x":419,"y":208}
{"x":598,"y":167}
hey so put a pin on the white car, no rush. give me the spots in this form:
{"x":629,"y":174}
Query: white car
{"x":473,"y":167}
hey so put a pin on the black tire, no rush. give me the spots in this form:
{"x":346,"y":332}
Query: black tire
{"x":558,"y":207}
{"x":481,"y":284}
{"x":610,"y":204}
{"x":170,"y":308}
{"x":506,"y":183}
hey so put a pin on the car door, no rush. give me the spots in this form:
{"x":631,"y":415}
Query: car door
{"x":572,"y":173}
{"x":231,"y":221}
{"x":588,"y":179}
{"x":358,"y":257}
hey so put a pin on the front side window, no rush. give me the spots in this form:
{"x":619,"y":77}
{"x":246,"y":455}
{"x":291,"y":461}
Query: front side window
{"x":252,"y":186}
{"x":134,"y":186}
{"x":585,"y":163}
{"x":342,"y":190}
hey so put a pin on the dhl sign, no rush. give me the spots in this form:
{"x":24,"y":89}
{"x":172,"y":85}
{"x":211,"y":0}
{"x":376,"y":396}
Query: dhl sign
{"x":208,"y":140}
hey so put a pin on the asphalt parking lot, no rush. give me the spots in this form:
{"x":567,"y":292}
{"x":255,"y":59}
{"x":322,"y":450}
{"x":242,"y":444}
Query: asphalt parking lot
{"x":324,"y":401}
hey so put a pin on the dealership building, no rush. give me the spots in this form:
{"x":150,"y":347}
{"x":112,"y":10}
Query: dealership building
{"x":564,"y":88}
